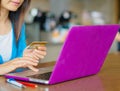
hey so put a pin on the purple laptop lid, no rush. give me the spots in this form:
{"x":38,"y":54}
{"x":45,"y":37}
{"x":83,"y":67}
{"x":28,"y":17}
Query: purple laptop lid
{"x":83,"y":52}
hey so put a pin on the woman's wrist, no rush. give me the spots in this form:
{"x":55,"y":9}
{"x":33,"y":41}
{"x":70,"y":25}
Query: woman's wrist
{"x":14,"y":64}
{"x":7,"y":67}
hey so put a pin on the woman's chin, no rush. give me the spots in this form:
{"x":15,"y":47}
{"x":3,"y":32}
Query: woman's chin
{"x":13,"y":9}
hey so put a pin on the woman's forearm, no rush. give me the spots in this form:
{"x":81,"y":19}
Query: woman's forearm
{"x":7,"y":67}
{"x":18,"y":63}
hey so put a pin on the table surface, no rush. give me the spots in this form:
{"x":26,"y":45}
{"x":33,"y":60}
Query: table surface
{"x":108,"y":79}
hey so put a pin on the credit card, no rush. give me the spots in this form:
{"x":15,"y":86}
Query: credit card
{"x":36,"y":44}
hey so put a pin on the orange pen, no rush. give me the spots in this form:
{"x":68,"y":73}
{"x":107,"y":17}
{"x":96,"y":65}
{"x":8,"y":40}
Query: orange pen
{"x":28,"y":84}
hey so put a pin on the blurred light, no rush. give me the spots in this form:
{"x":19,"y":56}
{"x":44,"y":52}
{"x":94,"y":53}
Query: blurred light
{"x":66,"y":15}
{"x":34,"y":12}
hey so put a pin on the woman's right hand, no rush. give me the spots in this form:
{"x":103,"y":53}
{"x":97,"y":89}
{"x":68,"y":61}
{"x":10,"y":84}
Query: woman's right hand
{"x":18,"y":63}
{"x":25,"y":62}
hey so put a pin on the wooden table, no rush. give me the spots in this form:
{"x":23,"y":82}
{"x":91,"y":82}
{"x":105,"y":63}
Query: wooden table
{"x":108,"y":79}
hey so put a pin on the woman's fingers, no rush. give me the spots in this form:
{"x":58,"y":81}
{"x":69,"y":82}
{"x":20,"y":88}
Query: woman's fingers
{"x":33,"y":56}
{"x":43,"y":48}
{"x":39,"y":54}
{"x":36,"y":54}
{"x":24,"y":62}
{"x":33,"y":68}
{"x":29,"y":53}
{"x":31,"y":59}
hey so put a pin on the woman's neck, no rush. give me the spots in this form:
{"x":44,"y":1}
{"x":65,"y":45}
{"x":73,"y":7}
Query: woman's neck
{"x":4,"y":15}
{"x":5,"y":24}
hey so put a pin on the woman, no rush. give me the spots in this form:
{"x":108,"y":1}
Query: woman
{"x":12,"y":38}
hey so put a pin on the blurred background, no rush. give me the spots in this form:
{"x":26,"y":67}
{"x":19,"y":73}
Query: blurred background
{"x":50,"y":20}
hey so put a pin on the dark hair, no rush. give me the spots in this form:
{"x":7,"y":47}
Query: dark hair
{"x":17,"y":17}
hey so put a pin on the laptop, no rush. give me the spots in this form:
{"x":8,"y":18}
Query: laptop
{"x":82,"y":54}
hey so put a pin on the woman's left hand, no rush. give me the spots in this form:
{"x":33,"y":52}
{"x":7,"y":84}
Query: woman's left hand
{"x":37,"y":54}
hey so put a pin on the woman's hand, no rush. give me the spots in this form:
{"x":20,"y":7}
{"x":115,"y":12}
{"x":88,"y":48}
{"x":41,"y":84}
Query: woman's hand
{"x":18,"y":63}
{"x":24,"y":62}
{"x":36,"y":54}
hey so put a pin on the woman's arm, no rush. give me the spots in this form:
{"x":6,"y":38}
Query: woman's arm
{"x":17,"y":63}
{"x":6,"y":68}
